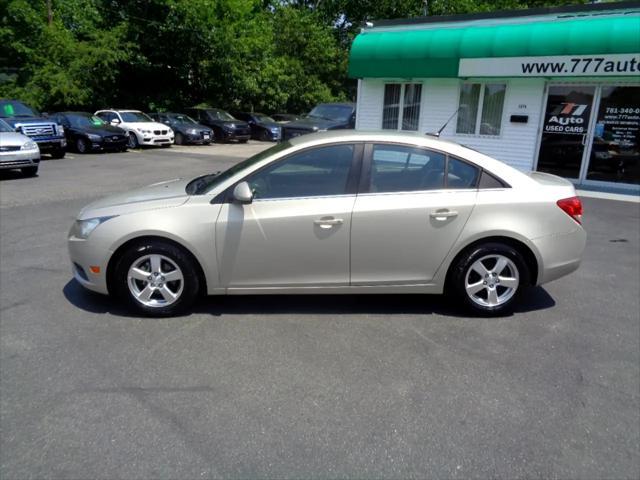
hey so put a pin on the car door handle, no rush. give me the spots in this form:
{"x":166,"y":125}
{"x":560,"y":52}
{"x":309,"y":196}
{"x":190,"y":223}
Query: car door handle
{"x":443,"y":214}
{"x":328,"y":222}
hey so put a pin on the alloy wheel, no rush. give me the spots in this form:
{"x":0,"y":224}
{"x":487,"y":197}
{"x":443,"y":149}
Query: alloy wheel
{"x":155,"y":280}
{"x":492,"y":280}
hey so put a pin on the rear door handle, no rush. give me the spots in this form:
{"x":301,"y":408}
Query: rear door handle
{"x":443,"y":214}
{"x":328,"y":222}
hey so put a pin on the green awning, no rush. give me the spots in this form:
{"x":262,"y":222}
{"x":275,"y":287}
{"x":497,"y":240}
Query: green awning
{"x":436,"y":51}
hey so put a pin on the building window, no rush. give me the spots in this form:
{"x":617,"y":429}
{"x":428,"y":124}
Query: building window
{"x":480,"y":109}
{"x":401,"y":109}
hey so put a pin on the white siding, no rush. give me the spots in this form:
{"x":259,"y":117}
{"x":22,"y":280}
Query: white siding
{"x":517,"y":142}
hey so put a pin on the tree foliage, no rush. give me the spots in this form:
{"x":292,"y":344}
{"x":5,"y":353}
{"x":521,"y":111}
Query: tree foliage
{"x":267,"y":55}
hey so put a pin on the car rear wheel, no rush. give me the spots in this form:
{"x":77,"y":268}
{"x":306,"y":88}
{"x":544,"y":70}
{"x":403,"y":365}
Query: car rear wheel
{"x":29,"y":171}
{"x":179,"y":139}
{"x":133,"y":141}
{"x":81,"y":145}
{"x":490,"y":278}
{"x":156,"y":278}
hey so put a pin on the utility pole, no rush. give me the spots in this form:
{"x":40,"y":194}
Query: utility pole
{"x":49,"y":13}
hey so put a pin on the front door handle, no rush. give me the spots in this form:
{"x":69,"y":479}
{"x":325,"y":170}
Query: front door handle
{"x":328,"y":222}
{"x":443,"y":214}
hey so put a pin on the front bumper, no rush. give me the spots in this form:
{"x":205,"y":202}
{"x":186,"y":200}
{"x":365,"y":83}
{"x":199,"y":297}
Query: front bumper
{"x":198,"y":138}
{"x":83,"y":256}
{"x":560,"y":254}
{"x":110,"y":145}
{"x":242,"y":135}
{"x":19,"y":159}
{"x":47,"y":145}
{"x":156,"y":140}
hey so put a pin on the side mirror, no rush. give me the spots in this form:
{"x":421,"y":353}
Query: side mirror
{"x":115,"y":121}
{"x":242,"y":193}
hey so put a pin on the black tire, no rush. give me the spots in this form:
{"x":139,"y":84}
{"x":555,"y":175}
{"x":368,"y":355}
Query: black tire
{"x":179,"y":139}
{"x":265,"y":136}
{"x":133,"y":141}
{"x":245,"y":140}
{"x":81,"y":145}
{"x":191,"y":281}
{"x":58,"y":153}
{"x":29,"y":171}
{"x":490,"y":284}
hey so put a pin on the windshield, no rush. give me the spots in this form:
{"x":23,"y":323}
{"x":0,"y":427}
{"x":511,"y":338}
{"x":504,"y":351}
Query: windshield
{"x":178,"y":117}
{"x":80,"y":120}
{"x":135,"y":117}
{"x":203,"y":184}
{"x":332,"y":112}
{"x":264,"y":118}
{"x":11,"y":108}
{"x":4,"y":127}
{"x":221,"y":115}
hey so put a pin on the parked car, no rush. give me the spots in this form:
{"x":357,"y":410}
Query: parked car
{"x":46,"y":133}
{"x":284,"y":117}
{"x":17,"y":151}
{"x":185,"y":128}
{"x":262,"y":126}
{"x":224,"y":125}
{"x":325,"y":116}
{"x":86,"y":133}
{"x":141,"y":130}
{"x":336,"y":212}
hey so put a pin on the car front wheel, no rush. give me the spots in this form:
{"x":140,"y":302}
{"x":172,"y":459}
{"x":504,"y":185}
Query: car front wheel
{"x":133,"y":141}
{"x":81,"y":145}
{"x":490,"y":278}
{"x":157,"y":279}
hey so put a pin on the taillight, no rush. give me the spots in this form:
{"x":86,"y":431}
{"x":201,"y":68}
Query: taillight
{"x":572,"y":207}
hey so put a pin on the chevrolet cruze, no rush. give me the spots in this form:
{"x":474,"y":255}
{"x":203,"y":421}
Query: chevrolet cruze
{"x":335,"y":212}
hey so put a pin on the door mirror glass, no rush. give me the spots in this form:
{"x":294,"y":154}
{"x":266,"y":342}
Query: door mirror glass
{"x":242,"y":193}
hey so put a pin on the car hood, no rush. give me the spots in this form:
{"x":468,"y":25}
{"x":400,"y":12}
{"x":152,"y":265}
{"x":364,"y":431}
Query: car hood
{"x":9,"y":139}
{"x":311,"y":122}
{"x":270,"y":124}
{"x":188,"y":126}
{"x":235,"y":124}
{"x":12,"y":121}
{"x":158,"y":195}
{"x":147,"y":125}
{"x":102,"y":130}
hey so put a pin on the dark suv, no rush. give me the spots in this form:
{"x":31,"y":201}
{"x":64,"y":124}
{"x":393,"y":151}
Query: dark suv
{"x":225,"y":127}
{"x":45,"y":132}
{"x":324,"y":116}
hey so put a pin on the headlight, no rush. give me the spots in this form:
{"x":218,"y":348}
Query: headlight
{"x":60,"y":129}
{"x":275,"y":130}
{"x":29,"y":146}
{"x":192,"y":131}
{"x":94,"y":138}
{"x":143,"y":131}
{"x":83,"y":228}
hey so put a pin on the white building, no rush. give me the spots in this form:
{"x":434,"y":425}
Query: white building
{"x":556,"y":90}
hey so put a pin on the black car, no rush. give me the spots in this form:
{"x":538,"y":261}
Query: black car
{"x":262,"y":126}
{"x":324,"y":116}
{"x":87,"y":133}
{"x":285,"y":117}
{"x":186,"y":129}
{"x":225,"y":126}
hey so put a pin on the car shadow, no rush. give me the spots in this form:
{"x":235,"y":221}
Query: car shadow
{"x":535,"y":299}
{"x":14,"y":175}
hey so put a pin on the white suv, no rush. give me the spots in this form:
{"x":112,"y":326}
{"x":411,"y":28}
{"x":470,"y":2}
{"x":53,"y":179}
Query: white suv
{"x":140,"y":128}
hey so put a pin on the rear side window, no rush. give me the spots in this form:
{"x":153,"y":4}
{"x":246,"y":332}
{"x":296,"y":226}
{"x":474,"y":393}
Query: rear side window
{"x":461,"y":174}
{"x":489,"y":181}
{"x":397,"y":168}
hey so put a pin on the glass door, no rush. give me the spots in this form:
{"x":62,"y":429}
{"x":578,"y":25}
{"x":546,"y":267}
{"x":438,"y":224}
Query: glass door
{"x":615,"y":152}
{"x":564,"y":130}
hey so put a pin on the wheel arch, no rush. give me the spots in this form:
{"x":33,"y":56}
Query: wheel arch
{"x":117,"y":254}
{"x":530,"y":257}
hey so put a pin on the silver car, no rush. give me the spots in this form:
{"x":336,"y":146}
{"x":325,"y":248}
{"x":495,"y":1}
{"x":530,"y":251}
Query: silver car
{"x":335,"y":212}
{"x":18,"y":151}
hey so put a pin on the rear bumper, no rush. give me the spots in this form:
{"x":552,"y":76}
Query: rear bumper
{"x":560,"y":254}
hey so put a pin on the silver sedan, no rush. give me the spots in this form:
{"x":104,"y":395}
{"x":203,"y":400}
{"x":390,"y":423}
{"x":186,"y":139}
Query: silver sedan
{"x":343,"y":212}
{"x":18,"y":151}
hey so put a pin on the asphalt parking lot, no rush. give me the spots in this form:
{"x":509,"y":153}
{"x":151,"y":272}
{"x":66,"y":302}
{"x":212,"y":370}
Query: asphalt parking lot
{"x":303,"y":386}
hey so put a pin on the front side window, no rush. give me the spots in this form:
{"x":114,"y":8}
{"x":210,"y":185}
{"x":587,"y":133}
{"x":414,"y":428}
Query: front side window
{"x":315,"y":172}
{"x":401,"y":107}
{"x":480,"y":108}
{"x":397,"y":168}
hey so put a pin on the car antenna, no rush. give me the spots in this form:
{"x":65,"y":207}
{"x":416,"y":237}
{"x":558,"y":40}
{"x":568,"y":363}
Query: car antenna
{"x":437,"y":134}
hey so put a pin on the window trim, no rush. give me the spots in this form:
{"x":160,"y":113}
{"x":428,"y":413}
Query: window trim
{"x":401,"y":107}
{"x":351,"y":187}
{"x":483,"y":84}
